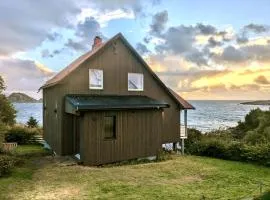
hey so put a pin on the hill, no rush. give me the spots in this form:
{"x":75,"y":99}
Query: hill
{"x":264,"y":102}
{"x":18,"y":97}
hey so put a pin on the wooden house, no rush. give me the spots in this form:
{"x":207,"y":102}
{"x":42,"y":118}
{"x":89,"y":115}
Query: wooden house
{"x":108,"y":105}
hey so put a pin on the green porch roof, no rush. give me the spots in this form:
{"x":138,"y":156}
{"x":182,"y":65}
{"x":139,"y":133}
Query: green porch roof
{"x":76,"y":103}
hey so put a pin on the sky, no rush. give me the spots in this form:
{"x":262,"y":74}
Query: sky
{"x":214,"y":50}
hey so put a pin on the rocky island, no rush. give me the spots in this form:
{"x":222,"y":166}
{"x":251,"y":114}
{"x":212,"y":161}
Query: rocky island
{"x":261,"y":102}
{"x":18,"y":97}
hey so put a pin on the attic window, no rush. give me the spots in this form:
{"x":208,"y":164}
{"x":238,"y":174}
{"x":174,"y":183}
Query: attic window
{"x":96,"y":79}
{"x":135,"y":82}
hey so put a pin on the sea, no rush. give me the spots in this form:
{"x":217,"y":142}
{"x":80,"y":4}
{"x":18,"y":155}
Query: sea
{"x":209,"y":114}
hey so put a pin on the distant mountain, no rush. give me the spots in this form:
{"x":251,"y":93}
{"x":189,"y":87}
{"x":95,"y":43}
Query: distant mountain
{"x":18,"y":97}
{"x":262,"y":102}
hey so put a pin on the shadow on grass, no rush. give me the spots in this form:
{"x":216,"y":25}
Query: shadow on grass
{"x":162,"y":156}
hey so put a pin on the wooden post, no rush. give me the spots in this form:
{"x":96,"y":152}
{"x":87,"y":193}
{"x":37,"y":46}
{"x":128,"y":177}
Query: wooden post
{"x":174,"y":146}
{"x":183,"y":146}
{"x":183,"y":139}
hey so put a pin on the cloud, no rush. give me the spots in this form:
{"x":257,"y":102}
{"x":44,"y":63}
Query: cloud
{"x":177,"y":40}
{"x":53,"y":36}
{"x":85,"y":33}
{"x":45,"y":53}
{"x":159,"y":21}
{"x":23,"y":74}
{"x":25,"y":23}
{"x":256,"y":28}
{"x":242,"y":39}
{"x":197,"y":57}
{"x":262,"y":80}
{"x":105,"y":16}
{"x":77,"y":46}
{"x":212,"y":42}
{"x":232,"y":55}
{"x":137,"y":6}
{"x":142,"y":49}
{"x":206,"y":29}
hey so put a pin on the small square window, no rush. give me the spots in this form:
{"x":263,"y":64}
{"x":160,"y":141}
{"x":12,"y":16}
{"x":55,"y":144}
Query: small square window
{"x":135,"y":82}
{"x":110,"y":127}
{"x":96,"y":79}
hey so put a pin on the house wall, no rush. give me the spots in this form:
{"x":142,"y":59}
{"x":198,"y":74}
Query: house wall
{"x":116,"y":61}
{"x":138,"y":134}
{"x":52,"y":126}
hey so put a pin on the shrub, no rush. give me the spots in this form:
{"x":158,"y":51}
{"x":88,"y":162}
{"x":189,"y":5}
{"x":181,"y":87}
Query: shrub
{"x":255,"y":129}
{"x":3,"y":130}
{"x":209,"y":147}
{"x":234,"y":150}
{"x":194,"y":136}
{"x":21,"y":135}
{"x":265,"y":196}
{"x":32,"y":123}
{"x":6,"y":164}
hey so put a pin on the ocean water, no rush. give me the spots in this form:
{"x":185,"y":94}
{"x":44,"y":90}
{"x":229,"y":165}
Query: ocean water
{"x":208,"y":115}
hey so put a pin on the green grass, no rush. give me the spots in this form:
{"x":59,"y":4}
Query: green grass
{"x":28,"y":149}
{"x":182,"y":177}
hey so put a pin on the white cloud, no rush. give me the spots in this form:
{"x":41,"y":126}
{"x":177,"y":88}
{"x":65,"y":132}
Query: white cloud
{"x":23,"y":75}
{"x":103,"y":17}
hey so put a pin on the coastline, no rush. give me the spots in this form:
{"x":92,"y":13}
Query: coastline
{"x":259,"y":103}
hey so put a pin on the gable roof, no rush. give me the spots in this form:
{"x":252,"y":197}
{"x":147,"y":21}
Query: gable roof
{"x":75,"y":64}
{"x":183,"y":102}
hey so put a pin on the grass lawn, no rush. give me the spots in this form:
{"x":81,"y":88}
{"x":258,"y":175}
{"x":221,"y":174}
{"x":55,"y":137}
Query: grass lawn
{"x":182,"y":177}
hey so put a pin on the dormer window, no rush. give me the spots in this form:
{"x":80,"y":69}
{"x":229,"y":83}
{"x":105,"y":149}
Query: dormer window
{"x":96,"y":79}
{"x":135,"y":82}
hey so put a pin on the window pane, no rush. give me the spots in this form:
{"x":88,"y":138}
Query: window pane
{"x":110,"y":127}
{"x":96,"y":79}
{"x":135,"y":82}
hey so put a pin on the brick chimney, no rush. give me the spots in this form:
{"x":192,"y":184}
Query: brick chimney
{"x":97,"y":42}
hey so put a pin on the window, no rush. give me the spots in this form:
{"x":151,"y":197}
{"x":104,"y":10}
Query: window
{"x":110,"y":127}
{"x":96,"y":79}
{"x":135,"y":82}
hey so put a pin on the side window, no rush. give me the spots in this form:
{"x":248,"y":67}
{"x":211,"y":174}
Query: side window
{"x":96,"y":79}
{"x":135,"y":82}
{"x":110,"y":127}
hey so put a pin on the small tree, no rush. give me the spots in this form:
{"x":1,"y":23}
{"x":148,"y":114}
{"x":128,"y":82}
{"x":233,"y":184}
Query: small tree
{"x":32,"y":122}
{"x":7,"y":111}
{"x":2,"y":85}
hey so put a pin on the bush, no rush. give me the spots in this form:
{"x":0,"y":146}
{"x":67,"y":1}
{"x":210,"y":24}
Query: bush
{"x":255,"y":129}
{"x":3,"y":130}
{"x":6,"y":164}
{"x":236,"y":151}
{"x":21,"y":135}
{"x":265,"y":196}
{"x":194,"y":136}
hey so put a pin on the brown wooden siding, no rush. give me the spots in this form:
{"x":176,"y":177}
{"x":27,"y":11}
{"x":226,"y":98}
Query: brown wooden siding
{"x":138,"y":134}
{"x":116,"y":65}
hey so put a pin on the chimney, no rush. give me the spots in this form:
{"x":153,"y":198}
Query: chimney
{"x":97,"y":42}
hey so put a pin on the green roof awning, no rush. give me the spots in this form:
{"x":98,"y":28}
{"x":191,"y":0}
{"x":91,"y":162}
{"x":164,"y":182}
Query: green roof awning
{"x":75,"y":103}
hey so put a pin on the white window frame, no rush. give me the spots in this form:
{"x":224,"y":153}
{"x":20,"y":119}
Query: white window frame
{"x":96,"y":88}
{"x":139,"y":89}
